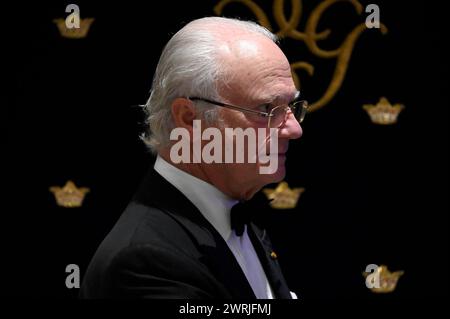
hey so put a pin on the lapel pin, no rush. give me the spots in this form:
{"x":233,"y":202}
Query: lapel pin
{"x":273,"y":255}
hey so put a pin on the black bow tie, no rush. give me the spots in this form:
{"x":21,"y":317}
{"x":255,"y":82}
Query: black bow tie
{"x":245,"y":212}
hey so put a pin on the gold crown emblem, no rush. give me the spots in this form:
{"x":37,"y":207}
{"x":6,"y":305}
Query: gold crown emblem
{"x":383,"y":113}
{"x":283,"y":197}
{"x":388,"y":280}
{"x":74,"y":33}
{"x":69,"y":195}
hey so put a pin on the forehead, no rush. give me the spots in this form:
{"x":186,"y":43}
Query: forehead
{"x":257,"y":71}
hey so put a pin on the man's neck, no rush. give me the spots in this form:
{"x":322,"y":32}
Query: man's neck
{"x":199,"y":171}
{"x":190,"y":168}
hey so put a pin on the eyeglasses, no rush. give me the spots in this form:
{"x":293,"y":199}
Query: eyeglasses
{"x":276,"y":116}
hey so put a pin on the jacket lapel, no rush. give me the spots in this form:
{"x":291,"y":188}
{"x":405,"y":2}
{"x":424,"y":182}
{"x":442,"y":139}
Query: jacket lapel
{"x":155,"y":191}
{"x":269,"y":261}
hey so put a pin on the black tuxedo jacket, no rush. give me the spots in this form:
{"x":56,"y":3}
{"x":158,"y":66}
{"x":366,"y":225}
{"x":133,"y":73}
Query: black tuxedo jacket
{"x":163,"y":247}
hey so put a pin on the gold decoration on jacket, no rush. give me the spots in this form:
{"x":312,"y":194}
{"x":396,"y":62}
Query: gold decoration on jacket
{"x":383,"y":112}
{"x":69,"y":195}
{"x":288,"y":28}
{"x":74,"y":33}
{"x":388,"y":280}
{"x":283,"y":197}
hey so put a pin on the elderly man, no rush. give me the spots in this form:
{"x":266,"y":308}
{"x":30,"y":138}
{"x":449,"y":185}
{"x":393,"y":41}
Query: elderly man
{"x":176,"y":238}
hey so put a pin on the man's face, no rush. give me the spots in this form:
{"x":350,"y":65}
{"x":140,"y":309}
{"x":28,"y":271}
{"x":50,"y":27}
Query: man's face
{"x":260,"y":79}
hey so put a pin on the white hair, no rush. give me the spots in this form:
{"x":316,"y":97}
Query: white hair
{"x":189,"y":66}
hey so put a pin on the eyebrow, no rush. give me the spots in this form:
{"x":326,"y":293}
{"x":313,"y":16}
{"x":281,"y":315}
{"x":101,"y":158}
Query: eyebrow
{"x":282,"y":97}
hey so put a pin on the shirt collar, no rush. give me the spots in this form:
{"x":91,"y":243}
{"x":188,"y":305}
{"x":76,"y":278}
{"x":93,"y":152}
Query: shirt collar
{"x":214,"y":205}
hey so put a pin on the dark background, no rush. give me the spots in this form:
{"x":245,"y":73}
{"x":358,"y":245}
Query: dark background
{"x":374,"y":194}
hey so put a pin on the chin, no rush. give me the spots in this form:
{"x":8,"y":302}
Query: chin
{"x":278,"y":176}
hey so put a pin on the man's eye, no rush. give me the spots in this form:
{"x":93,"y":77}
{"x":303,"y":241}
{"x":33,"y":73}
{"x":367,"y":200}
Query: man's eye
{"x":265,"y":108}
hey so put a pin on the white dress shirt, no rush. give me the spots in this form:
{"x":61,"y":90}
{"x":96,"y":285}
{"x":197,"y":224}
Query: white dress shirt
{"x":215,"y":206}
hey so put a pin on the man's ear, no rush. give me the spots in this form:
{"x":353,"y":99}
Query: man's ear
{"x":183,"y":113}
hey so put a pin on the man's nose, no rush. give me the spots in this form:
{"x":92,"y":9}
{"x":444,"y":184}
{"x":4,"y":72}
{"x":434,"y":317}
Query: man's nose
{"x":291,"y":128}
